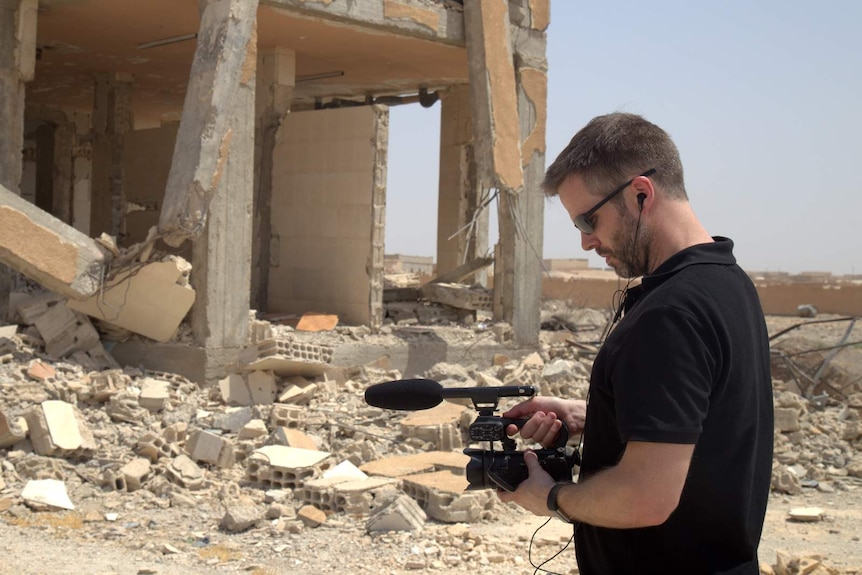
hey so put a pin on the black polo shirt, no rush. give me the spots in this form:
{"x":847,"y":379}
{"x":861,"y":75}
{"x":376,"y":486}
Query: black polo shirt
{"x":688,"y":363}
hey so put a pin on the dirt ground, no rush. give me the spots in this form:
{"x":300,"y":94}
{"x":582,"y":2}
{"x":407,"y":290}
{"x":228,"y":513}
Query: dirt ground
{"x":124,"y":534}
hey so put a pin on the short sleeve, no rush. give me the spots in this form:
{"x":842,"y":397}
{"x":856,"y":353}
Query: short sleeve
{"x":663,"y":378}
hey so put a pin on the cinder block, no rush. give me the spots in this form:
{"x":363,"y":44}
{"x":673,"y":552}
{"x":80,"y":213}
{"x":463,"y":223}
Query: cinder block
{"x":252,"y":430}
{"x":65,"y":331}
{"x":153,"y":447}
{"x":362,"y":497}
{"x":59,"y":429}
{"x":154,"y":394}
{"x":286,"y":467}
{"x":443,"y":497}
{"x":106,"y":384}
{"x":283,"y":415}
{"x":210,"y":448}
{"x":438,"y":426}
{"x":135,"y":473}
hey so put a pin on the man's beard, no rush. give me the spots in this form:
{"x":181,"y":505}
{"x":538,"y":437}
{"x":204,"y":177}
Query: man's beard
{"x":631,"y":247}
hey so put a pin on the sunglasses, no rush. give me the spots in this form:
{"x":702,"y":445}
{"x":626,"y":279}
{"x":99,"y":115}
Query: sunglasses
{"x":584,"y":222}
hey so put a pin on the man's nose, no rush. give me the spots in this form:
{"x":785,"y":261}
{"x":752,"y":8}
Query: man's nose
{"x":589,"y":242}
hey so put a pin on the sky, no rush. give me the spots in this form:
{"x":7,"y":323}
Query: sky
{"x":763,"y":99}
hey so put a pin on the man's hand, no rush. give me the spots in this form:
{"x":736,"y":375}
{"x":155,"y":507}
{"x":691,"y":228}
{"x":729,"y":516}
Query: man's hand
{"x":546,"y":415}
{"x":532,"y":493}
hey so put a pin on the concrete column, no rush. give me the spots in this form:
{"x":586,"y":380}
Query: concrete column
{"x":459,"y":191}
{"x":531,"y":79}
{"x":221,"y":255}
{"x":82,"y":173}
{"x":17,"y":66}
{"x":276,"y":73}
{"x":112,"y":120}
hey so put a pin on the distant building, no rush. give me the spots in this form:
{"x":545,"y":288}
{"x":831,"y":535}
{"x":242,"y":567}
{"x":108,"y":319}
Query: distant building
{"x":566,"y":265}
{"x":399,"y":263}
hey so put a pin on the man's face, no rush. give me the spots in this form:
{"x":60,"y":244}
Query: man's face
{"x":615,"y":236}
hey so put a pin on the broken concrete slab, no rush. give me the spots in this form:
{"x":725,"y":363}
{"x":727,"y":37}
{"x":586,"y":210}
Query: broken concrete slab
{"x":262,"y":387}
{"x":42,"y":493}
{"x":443,"y":496}
{"x":402,"y":514}
{"x":47,"y":250}
{"x":314,"y":322}
{"x":150,"y":300}
{"x":292,"y":438}
{"x":286,"y":358}
{"x":345,"y":470}
{"x":59,"y":429}
{"x":185,"y":473}
{"x":285,"y":467}
{"x":403,"y":465}
{"x":459,"y":296}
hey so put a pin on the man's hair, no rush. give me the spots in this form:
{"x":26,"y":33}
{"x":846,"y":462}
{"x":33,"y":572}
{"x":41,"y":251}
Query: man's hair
{"x":614,"y":148}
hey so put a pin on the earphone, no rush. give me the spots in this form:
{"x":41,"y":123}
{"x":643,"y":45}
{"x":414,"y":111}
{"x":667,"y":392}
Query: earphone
{"x":641,"y":198}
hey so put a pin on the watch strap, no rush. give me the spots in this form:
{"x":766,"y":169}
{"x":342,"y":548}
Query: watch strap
{"x":553,"y":506}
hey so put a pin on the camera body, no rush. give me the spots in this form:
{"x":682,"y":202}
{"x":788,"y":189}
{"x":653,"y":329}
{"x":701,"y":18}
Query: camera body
{"x":505,"y":468}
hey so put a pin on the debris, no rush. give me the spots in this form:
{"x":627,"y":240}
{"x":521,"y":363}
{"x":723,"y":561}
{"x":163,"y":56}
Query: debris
{"x":43,"y":493}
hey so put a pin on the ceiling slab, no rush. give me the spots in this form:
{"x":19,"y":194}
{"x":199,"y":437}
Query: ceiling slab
{"x":78,"y":39}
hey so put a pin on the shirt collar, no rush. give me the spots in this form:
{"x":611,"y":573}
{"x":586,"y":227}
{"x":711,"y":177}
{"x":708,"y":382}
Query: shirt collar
{"x":718,"y":252}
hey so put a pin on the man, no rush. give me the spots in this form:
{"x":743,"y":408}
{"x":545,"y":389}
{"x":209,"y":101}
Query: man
{"x":678,"y":424}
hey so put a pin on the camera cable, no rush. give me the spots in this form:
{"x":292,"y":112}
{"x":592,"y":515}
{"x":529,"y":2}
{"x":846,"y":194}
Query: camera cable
{"x":540,"y":567}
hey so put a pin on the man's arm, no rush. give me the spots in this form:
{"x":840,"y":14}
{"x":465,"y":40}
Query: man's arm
{"x":642,"y":490}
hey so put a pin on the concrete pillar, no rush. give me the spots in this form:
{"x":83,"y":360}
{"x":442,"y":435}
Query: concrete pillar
{"x":17,"y":66}
{"x":112,"y":120}
{"x":82,"y":173}
{"x":531,"y":79}
{"x":221,"y":255}
{"x":276,"y":73}
{"x":460,"y":194}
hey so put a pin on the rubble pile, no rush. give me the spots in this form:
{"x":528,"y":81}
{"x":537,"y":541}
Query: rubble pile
{"x":286,"y":444}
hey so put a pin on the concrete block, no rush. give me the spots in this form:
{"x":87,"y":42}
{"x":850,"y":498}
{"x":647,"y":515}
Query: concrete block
{"x":135,"y":473}
{"x":311,"y":516}
{"x":233,"y":419}
{"x":176,"y":432}
{"x":346,"y":470}
{"x":298,"y":395}
{"x":402,"y":514}
{"x":439,"y":426}
{"x":185,"y":473}
{"x":234,"y":390}
{"x":262,"y":387}
{"x":12,"y":430}
{"x":153,"y":447}
{"x":786,"y":419}
{"x":65,"y":331}
{"x":283,"y":415}
{"x":363,"y":496}
{"x":285,"y":467}
{"x":443,"y":497}
{"x":286,"y":358}
{"x":106,"y":384}
{"x":59,"y":429}
{"x":210,"y":448}
{"x":155,"y":394}
{"x":319,"y":492}
{"x":252,"y":430}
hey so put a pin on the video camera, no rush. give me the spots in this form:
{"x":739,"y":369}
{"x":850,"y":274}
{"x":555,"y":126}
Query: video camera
{"x":487,"y":468}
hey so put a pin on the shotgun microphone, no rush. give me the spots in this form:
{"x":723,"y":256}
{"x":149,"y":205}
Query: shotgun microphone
{"x":416,"y":394}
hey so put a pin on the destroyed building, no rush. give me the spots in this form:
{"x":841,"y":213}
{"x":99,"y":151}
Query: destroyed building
{"x":250,"y":138}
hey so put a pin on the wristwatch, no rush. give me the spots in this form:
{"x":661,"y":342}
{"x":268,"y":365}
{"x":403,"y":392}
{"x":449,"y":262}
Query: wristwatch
{"x":552,"y":502}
